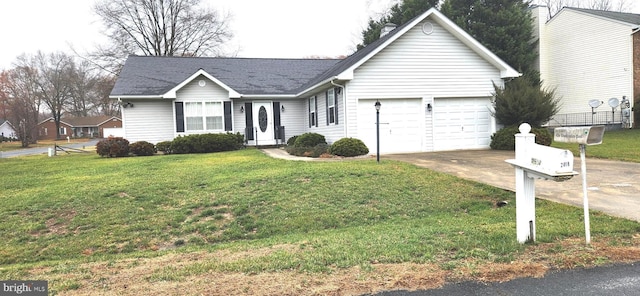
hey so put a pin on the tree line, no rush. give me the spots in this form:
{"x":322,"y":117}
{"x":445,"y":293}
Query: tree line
{"x":59,"y":84}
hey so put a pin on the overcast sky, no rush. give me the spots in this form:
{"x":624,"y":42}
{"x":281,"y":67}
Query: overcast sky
{"x":262,"y":28}
{"x":271,"y":28}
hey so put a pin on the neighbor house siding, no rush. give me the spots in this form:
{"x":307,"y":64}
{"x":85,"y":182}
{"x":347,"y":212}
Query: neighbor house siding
{"x":588,"y":58}
{"x":418,"y":65}
{"x":149,"y":120}
{"x":332,"y":132}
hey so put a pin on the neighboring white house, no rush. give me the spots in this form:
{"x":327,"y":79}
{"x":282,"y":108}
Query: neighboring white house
{"x":433,"y":80}
{"x":588,"y":56}
{"x":7,"y":130}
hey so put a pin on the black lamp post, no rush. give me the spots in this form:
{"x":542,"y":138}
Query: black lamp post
{"x":377,"y":105}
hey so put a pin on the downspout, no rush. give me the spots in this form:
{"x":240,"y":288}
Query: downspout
{"x":632,"y":118}
{"x":344,"y":105}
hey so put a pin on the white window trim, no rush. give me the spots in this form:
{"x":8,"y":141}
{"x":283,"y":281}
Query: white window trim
{"x":204,"y":115}
{"x":331,"y":106}
{"x":313,"y":116}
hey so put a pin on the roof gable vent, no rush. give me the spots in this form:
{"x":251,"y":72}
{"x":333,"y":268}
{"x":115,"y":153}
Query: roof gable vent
{"x":388,"y":27}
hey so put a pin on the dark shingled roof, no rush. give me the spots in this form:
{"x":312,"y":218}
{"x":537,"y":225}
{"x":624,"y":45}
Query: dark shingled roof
{"x":152,"y":76}
{"x":630,"y":18}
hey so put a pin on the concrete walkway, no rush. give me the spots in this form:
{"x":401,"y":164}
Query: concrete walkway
{"x":613,"y":186}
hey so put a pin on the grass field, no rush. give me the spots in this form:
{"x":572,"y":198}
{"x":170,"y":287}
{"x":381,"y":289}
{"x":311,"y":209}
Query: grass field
{"x":619,"y":145}
{"x":243,"y":223}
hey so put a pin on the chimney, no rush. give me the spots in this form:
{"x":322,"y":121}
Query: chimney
{"x":388,"y":27}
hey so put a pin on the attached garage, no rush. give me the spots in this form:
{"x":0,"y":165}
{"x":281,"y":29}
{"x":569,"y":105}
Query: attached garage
{"x":462,"y":123}
{"x":401,"y":125}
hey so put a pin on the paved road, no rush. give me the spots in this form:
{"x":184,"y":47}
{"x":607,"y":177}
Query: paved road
{"x":613,"y":186}
{"x":618,"y":280}
{"x":45,"y":150}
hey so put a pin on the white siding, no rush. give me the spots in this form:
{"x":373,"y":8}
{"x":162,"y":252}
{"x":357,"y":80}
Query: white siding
{"x":193,"y":91}
{"x":587,"y":58}
{"x":149,"y":120}
{"x":331,"y":132}
{"x":418,"y":65}
{"x":294,"y":118}
{"x":210,"y":91}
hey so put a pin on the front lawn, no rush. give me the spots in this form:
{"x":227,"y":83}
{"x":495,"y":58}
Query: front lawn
{"x":621,"y":145}
{"x":243,"y":223}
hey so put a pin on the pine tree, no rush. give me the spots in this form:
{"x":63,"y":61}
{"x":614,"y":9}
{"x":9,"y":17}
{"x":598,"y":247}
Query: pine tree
{"x":505,"y":27}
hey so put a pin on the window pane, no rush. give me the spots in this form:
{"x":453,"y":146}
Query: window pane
{"x":193,"y":108}
{"x":194,"y":123}
{"x":214,"y":122}
{"x":330,"y":97}
{"x":332,"y":115}
{"x":213,"y":108}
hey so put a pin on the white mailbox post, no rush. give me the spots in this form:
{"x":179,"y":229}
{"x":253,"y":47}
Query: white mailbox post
{"x":583,"y":135}
{"x":532,"y":162}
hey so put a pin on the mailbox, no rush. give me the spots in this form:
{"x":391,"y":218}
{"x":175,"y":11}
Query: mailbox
{"x":549,"y":160}
{"x":585,"y":135}
{"x":546,"y":162}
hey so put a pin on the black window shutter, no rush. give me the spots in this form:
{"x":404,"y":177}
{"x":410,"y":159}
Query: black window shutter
{"x":248,"y":119}
{"x":276,"y":120}
{"x":326,"y":104}
{"x":228,"y":123}
{"x":310,"y":120}
{"x":179,"y":117}
{"x":315,"y":99}
{"x":335,"y":104}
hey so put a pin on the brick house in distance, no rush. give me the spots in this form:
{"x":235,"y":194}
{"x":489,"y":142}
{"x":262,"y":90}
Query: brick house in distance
{"x":78,"y":127}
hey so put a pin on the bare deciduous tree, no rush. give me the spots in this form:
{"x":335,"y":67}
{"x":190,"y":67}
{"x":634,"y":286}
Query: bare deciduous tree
{"x":554,"y":6}
{"x":161,"y":28}
{"x":19,"y":87}
{"x":54,"y":81}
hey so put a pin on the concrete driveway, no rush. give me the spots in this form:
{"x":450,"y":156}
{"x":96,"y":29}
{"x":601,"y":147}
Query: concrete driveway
{"x":613,"y":186}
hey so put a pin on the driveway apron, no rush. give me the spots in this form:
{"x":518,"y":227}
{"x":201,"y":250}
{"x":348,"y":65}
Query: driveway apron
{"x":613,"y":186}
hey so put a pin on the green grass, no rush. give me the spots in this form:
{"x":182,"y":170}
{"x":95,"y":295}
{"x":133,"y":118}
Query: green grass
{"x":621,"y":145}
{"x":66,"y":210}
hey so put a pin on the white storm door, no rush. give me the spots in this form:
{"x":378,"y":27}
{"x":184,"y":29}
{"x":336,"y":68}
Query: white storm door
{"x":263,"y":122}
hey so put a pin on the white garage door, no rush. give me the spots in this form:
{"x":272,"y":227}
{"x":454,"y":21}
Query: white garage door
{"x":401,"y":125}
{"x":462,"y":123}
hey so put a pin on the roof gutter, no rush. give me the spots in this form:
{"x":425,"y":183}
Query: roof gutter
{"x":309,"y":89}
{"x":344,"y":105}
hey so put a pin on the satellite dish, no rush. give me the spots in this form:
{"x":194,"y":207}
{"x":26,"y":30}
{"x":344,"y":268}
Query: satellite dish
{"x":613,"y":102}
{"x":595,"y":103}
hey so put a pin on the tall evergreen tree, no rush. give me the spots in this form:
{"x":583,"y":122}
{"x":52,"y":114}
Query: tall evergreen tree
{"x":399,"y":14}
{"x":504,"y":26}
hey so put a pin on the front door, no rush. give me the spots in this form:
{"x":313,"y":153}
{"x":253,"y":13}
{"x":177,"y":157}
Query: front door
{"x":263,"y":122}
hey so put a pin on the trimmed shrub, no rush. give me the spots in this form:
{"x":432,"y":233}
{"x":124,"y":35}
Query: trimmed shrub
{"x":292,"y":141}
{"x":142,"y":148}
{"x":307,"y":144}
{"x":348,"y":147}
{"x":504,"y":139}
{"x":319,"y":149}
{"x":113,"y":147}
{"x":164,"y":147}
{"x":206,"y":143}
{"x":309,"y":140}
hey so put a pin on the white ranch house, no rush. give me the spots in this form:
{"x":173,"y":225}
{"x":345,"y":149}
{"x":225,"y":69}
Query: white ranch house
{"x":434,"y":82}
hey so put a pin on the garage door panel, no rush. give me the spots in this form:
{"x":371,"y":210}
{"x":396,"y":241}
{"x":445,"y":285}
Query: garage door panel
{"x":461,"y":123}
{"x":401,"y":127}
